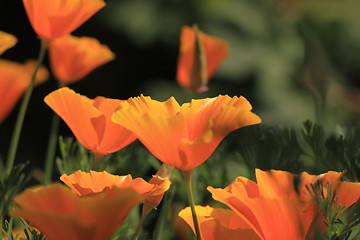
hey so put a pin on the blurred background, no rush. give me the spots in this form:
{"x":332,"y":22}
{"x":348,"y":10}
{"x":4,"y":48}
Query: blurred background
{"x":294,"y":60}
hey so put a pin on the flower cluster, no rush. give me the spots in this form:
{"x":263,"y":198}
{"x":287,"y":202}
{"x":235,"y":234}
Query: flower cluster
{"x":278,"y":206}
{"x":94,"y":203}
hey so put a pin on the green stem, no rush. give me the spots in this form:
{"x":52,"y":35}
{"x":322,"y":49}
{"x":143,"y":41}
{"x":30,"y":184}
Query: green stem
{"x":139,"y":226}
{"x":50,"y":154}
{"x":97,"y":160}
{"x":22,"y":111}
{"x":188,"y":177}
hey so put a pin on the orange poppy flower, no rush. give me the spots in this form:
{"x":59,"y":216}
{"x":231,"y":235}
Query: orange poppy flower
{"x":72,"y":58}
{"x":214,"y":49}
{"x":277,"y":206}
{"x":89,"y":120}
{"x":184,"y":136}
{"x":14,"y":80}
{"x":218,"y":223}
{"x":83,"y":183}
{"x":57,"y":18}
{"x":60,"y":214}
{"x":6,"y":41}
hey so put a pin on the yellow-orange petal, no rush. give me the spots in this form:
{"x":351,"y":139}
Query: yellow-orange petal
{"x":215,"y":49}
{"x":276,"y":184}
{"x":162,"y":180}
{"x":83,"y":183}
{"x":56,"y":18}
{"x":114,"y":137}
{"x":89,"y":120}
{"x":78,"y":113}
{"x":217,"y":223}
{"x":60,"y":214}
{"x":305,"y":180}
{"x":72,"y":58}
{"x":347,"y":192}
{"x":6,"y":41}
{"x":243,"y":187}
{"x":272,"y":218}
{"x":156,"y":124}
{"x":184,"y":137}
{"x":14,"y":80}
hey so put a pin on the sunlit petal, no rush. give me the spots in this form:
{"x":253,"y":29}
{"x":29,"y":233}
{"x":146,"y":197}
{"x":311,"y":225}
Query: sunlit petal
{"x":72,"y":58}
{"x":57,"y":18}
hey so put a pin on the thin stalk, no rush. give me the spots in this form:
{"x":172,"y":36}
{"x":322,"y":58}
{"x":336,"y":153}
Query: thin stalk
{"x":97,"y":160}
{"x":51,"y":149}
{"x":22,"y":111}
{"x":139,"y":226}
{"x":188,"y":177}
{"x":50,"y":154}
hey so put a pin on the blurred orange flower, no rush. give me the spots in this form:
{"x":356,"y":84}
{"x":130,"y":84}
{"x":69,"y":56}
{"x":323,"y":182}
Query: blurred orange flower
{"x":184,"y":136}
{"x":89,"y":120}
{"x":14,"y":80}
{"x":83,"y":183}
{"x":6,"y":41}
{"x":214,"y":49}
{"x":60,"y":214}
{"x":57,"y":18}
{"x":72,"y":58}
{"x":277,"y":206}
{"x":218,"y":223}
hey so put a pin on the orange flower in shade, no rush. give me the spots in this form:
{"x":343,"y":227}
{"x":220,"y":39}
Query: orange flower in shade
{"x":184,"y":136}
{"x":277,"y":206}
{"x":218,"y":223}
{"x":60,"y":214}
{"x":89,"y":120}
{"x":6,"y":41}
{"x":57,"y":18}
{"x":214,"y":49}
{"x":83,"y":183}
{"x":72,"y":58}
{"x":14,"y":80}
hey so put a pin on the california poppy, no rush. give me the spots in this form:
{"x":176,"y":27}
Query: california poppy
{"x":184,"y":136}
{"x":72,"y":58}
{"x":6,"y":41}
{"x":277,"y":206}
{"x":214,"y":49}
{"x":57,"y":18}
{"x":60,"y":214}
{"x":89,"y":120}
{"x":219,"y":223}
{"x":83,"y":183}
{"x":14,"y":80}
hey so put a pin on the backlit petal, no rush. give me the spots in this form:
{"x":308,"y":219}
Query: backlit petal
{"x":78,"y":112}
{"x":89,"y":120}
{"x":14,"y":80}
{"x":6,"y":41}
{"x":184,"y":136}
{"x":60,"y":214}
{"x":83,"y":183}
{"x":215,"y":49}
{"x":214,"y":224}
{"x":72,"y":58}
{"x":57,"y":18}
